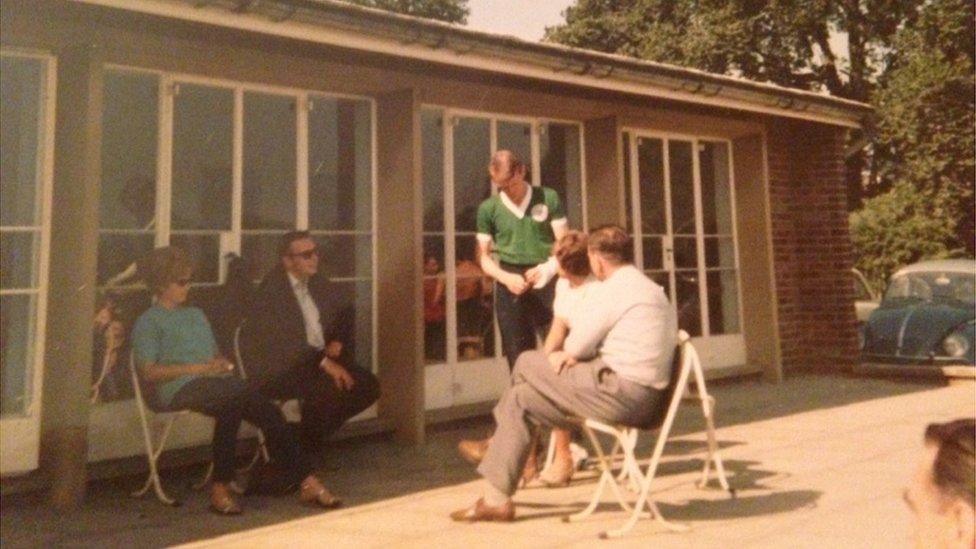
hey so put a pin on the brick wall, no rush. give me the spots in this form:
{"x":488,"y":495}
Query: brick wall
{"x":811,"y":246}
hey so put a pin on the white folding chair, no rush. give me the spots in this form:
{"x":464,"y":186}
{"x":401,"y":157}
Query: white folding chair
{"x":154,"y":450}
{"x":625,"y":439}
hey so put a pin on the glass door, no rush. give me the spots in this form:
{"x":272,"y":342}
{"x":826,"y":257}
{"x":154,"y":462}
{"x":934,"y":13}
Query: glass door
{"x":681,"y":200}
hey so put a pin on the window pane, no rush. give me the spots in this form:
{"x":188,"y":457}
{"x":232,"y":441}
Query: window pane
{"x":475,"y":319}
{"x":472,"y":151}
{"x":516,"y":137}
{"x":689,"y":304}
{"x":19,"y":252}
{"x":682,"y":190}
{"x":130,"y":134}
{"x":559,"y":148}
{"x":653,"y":256}
{"x":723,"y":303}
{"x":354,"y":300}
{"x":202,"y":157}
{"x":435,"y":301}
{"x":650,"y":155}
{"x":269,"y":161}
{"x":685,"y":252}
{"x":346,"y":256}
{"x":204,"y":251}
{"x":17,"y":356}
{"x":719,"y":251}
{"x":432,"y":135}
{"x":117,"y":252}
{"x":716,"y":187}
{"x":340,"y":164}
{"x":260,"y":253}
{"x":20,"y":118}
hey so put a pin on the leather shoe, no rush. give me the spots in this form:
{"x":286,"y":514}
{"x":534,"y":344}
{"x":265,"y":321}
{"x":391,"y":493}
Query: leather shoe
{"x":473,"y":451}
{"x":485,"y":513}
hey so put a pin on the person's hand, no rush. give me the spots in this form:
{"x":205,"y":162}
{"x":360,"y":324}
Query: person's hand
{"x":560,"y":360}
{"x":114,"y":336}
{"x":533,"y":275}
{"x":515,"y":283}
{"x":341,"y":376}
{"x":219,"y":366}
{"x":333,"y":349}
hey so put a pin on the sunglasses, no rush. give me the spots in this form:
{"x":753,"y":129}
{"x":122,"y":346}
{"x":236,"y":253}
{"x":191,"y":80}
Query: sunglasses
{"x":307,"y":254}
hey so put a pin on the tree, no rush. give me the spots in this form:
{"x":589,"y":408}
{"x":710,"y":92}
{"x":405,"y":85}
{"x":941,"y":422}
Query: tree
{"x":451,"y":11}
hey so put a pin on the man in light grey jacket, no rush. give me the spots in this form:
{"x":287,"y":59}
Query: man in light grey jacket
{"x":614,"y":367}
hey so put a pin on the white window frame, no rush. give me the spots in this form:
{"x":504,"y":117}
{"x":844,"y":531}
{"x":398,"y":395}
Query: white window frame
{"x":21,"y":432}
{"x":448,"y":121}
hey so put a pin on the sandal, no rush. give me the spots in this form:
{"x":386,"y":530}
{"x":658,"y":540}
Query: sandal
{"x":320,"y":497}
{"x":225,"y":505}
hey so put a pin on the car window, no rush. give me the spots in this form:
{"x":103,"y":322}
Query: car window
{"x":928,"y":286}
{"x":861,"y":292}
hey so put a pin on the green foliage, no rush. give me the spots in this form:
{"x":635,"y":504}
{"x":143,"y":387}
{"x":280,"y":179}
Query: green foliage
{"x":900,"y":227}
{"x":451,"y":11}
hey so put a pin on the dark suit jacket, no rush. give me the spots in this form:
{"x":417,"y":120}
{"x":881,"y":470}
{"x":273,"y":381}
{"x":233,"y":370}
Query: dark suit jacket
{"x":274,"y":341}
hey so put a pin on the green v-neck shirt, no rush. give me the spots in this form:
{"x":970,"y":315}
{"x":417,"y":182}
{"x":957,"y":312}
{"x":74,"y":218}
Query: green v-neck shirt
{"x":525,"y":239}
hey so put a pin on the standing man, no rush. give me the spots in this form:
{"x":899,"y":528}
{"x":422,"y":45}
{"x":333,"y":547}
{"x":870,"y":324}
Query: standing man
{"x":296,"y":344}
{"x":520,"y":224}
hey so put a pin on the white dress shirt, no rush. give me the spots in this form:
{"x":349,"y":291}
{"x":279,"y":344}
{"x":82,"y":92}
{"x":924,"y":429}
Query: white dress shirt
{"x":310,"y":313}
{"x":628,"y":322}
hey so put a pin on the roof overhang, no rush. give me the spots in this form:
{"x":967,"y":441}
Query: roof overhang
{"x":347,"y":26}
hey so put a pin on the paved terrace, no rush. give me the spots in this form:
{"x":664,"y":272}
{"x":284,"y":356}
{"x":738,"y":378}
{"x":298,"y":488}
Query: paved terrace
{"x":818,"y":461}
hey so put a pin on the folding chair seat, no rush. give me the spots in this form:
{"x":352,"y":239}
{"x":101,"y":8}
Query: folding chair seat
{"x":155,"y":448}
{"x":625,"y":438}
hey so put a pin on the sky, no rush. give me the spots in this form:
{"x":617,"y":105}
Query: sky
{"x":526,"y":19}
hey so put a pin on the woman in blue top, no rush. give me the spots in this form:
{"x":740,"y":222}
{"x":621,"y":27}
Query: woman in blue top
{"x":175,"y":349}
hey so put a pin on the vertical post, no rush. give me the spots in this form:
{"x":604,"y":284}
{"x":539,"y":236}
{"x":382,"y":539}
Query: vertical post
{"x":399,"y":277}
{"x":74,"y":248}
{"x":604,"y":179}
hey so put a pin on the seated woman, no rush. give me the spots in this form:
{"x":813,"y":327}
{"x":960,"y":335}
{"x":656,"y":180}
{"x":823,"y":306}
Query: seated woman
{"x":175,"y":349}
{"x":574,"y":280}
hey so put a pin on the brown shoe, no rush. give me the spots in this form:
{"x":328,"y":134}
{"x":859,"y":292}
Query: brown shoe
{"x":485,"y":513}
{"x":473,"y":451}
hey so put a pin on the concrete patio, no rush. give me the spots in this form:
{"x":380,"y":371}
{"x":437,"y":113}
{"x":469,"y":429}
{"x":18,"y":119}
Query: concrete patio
{"x":818,"y":461}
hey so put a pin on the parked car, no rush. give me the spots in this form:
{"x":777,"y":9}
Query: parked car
{"x":865,"y":300}
{"x":927,"y":316}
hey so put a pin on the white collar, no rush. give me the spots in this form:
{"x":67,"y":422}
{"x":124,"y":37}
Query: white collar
{"x":518,"y":210}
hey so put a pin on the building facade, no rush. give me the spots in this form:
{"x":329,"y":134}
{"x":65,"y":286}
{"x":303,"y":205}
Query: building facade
{"x":220,"y":125}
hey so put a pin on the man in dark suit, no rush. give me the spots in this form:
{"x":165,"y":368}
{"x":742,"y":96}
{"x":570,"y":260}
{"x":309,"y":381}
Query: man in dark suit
{"x":297,"y":344}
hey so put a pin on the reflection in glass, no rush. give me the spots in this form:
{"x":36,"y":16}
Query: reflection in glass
{"x":475,"y":319}
{"x":432,"y":136}
{"x":472,"y":152}
{"x":116,"y":252}
{"x":716,"y":187}
{"x":723,"y":302}
{"x":435,"y":301}
{"x":17,"y":330}
{"x":689,"y":302}
{"x":269,"y":161}
{"x":516,"y":137}
{"x":130,"y":133}
{"x":345,"y":256}
{"x":559,"y":150}
{"x":682,"y":189}
{"x":650,"y":170}
{"x":202,"y":157}
{"x":340,"y":164}
{"x":21,"y":116}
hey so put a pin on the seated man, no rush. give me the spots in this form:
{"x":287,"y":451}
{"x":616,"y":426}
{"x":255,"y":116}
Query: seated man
{"x":942,"y":495}
{"x":295,"y":344}
{"x":614,"y":367}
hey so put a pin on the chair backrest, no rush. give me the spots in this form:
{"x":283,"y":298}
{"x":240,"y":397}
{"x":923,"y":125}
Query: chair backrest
{"x":677,"y":360}
{"x":238,"y":355}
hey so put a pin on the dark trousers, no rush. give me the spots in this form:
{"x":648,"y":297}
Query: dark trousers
{"x":522,"y":317}
{"x":325,"y":407}
{"x":229,"y":401}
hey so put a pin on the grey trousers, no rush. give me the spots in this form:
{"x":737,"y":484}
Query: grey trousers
{"x":539,"y":396}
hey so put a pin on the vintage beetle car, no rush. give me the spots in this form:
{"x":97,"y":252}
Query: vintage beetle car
{"x":926,"y":316}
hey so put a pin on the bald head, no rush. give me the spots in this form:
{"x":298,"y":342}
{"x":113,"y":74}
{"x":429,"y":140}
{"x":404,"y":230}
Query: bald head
{"x":507,"y":171}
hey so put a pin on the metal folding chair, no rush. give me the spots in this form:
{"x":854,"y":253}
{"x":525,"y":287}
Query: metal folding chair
{"x":625,"y":439}
{"x":155,"y":449}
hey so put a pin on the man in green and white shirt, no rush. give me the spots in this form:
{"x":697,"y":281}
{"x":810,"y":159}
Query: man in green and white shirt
{"x":520,"y":225}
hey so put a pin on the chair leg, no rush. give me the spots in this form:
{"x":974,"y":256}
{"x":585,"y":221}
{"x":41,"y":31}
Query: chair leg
{"x":606,"y":478}
{"x":206,"y":478}
{"x":152,"y":455}
{"x":708,"y":410}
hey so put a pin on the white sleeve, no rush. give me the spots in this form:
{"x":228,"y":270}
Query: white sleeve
{"x":484,"y":238}
{"x":548,"y":270}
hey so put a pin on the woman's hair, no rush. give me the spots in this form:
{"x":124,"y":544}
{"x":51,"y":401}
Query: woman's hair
{"x":954,"y":469}
{"x":164,"y":266}
{"x":570,"y":251}
{"x":612,"y":243}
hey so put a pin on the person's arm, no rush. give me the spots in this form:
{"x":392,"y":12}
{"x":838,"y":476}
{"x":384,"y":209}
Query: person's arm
{"x":541,"y":274}
{"x":514,"y":282}
{"x":157,"y":373}
{"x":556,"y":336}
{"x":590,"y":329}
